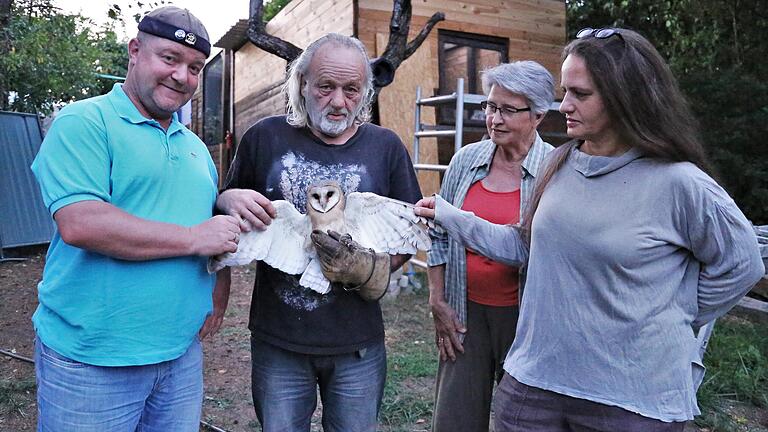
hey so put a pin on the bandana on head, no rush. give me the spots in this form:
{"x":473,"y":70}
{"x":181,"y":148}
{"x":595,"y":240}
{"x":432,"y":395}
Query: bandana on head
{"x":185,"y":37}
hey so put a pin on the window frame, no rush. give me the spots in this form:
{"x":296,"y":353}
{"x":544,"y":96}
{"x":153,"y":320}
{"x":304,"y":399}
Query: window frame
{"x":445,"y":114}
{"x":218,"y":58}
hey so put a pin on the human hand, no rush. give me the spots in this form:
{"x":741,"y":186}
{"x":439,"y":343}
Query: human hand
{"x":213,"y":321}
{"x":252,"y":209}
{"x":425,"y":207}
{"x":447,"y":329}
{"x":215,"y":236}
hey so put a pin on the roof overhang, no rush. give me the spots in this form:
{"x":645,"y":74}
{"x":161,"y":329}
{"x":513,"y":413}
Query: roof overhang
{"x":235,"y":37}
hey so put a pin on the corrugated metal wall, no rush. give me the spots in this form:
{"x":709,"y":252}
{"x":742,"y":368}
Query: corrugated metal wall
{"x":24,"y":220}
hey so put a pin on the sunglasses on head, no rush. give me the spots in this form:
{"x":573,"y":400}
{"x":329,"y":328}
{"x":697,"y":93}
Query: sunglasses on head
{"x":601,"y":33}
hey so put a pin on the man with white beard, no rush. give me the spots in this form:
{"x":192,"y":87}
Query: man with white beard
{"x":301,"y":339}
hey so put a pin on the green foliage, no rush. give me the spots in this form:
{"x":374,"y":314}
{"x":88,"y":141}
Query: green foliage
{"x":737,"y":372}
{"x":717,"y":50}
{"x":54,"y":58}
{"x":136,"y":9}
{"x":693,"y":35}
{"x":272,"y":7}
{"x":732,"y":109}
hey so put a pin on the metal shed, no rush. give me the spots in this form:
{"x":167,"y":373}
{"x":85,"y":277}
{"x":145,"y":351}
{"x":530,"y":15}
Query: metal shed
{"x":24,"y":220}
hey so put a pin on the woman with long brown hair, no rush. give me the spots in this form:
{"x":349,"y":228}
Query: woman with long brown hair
{"x":630,"y":245}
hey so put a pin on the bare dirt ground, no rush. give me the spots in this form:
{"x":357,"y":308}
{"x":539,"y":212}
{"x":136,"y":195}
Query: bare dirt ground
{"x":227,"y":404}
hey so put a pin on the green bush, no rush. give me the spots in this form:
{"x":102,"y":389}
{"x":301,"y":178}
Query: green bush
{"x":737,"y":372}
{"x":732,"y":108}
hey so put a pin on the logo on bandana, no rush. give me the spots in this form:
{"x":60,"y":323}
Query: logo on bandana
{"x":180,"y":34}
{"x":190,"y":39}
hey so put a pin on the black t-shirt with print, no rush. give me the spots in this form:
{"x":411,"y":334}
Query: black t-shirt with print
{"x":280,"y":162}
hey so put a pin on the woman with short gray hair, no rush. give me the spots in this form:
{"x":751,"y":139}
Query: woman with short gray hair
{"x":474,"y":300}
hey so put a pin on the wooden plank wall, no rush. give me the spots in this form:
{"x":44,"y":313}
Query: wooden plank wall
{"x":216,"y":151}
{"x":258,"y":75}
{"x":197,"y":111}
{"x":418,"y":70}
{"x":535,"y":30}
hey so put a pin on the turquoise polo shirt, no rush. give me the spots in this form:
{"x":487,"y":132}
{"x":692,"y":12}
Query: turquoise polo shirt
{"x":106,"y":311}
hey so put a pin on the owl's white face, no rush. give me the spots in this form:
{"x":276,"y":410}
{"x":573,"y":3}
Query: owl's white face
{"x":323,"y":198}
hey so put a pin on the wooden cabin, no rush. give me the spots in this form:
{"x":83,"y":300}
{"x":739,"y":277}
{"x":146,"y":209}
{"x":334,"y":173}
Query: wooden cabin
{"x":242,"y":84}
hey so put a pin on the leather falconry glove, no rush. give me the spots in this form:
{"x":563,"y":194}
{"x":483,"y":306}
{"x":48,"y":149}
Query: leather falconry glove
{"x":344,"y":261}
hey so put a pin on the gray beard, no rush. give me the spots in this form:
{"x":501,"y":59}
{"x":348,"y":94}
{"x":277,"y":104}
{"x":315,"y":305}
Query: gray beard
{"x":318,"y":119}
{"x":330,"y":127}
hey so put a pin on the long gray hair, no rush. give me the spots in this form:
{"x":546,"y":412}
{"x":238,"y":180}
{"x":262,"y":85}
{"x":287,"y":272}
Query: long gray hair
{"x":297,"y":111}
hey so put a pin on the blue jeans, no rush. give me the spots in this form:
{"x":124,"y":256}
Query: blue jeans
{"x":284,"y":386}
{"x":77,"y":397}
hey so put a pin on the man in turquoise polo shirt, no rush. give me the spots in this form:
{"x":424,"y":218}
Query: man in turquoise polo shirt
{"x":125,"y":295}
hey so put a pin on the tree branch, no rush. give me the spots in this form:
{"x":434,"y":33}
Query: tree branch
{"x":399,"y":26}
{"x":257,"y":34}
{"x":398,"y":48}
{"x":416,"y":42}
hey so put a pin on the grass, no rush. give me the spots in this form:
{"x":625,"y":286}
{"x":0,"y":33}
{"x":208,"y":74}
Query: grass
{"x":737,"y":375}
{"x":411,"y":365}
{"x":16,"y":395}
{"x":406,"y":400}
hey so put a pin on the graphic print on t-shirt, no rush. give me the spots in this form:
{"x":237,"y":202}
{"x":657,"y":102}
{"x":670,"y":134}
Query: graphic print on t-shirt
{"x":297,"y":173}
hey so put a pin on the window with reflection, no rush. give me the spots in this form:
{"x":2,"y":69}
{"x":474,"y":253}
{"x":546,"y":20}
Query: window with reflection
{"x":213,"y":113}
{"x":466,"y":55}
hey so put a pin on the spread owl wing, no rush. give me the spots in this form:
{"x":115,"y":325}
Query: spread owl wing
{"x":283,"y":245}
{"x":385,"y":224}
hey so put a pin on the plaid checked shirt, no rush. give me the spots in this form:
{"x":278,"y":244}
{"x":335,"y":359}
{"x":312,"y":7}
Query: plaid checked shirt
{"x":471,"y":164}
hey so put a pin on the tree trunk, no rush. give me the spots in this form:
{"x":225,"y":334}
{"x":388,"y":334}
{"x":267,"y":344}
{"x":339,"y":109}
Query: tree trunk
{"x":5,"y":47}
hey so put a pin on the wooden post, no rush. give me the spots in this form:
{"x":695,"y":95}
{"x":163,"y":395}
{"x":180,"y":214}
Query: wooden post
{"x":751,"y":309}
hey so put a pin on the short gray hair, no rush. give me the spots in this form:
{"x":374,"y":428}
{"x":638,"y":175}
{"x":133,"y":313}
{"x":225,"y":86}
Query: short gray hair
{"x":525,"y":78}
{"x":297,"y":112}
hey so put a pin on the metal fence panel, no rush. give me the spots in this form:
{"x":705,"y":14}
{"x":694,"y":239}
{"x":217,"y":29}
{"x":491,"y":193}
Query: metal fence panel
{"x":24,"y":220}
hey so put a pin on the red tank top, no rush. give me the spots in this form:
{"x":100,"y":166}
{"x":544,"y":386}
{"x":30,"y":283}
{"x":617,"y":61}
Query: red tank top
{"x":489,"y":282}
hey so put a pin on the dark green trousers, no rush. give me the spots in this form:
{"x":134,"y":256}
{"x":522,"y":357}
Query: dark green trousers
{"x":464,"y":388}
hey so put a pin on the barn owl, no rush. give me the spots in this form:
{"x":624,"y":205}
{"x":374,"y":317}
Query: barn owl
{"x":382,"y":224}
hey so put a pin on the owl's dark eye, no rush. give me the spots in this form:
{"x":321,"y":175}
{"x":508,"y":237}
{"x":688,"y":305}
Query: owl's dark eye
{"x":316,"y":196}
{"x":330,"y":193}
